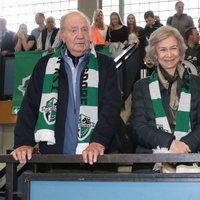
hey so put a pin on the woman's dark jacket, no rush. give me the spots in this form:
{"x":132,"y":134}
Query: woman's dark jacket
{"x":145,"y":133}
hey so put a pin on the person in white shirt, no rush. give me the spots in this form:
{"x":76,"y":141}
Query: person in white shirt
{"x":49,"y":39}
{"x":40,"y":20}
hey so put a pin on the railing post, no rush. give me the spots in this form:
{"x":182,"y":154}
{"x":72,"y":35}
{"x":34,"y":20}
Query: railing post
{"x":11,"y":181}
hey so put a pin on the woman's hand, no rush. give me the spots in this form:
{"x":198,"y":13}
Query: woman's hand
{"x":179,"y":147}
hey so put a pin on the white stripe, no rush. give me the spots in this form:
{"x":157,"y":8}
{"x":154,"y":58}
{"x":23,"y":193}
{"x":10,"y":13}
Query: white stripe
{"x":45,"y":135}
{"x":162,"y":122}
{"x":179,"y":134}
{"x":52,"y":65}
{"x":93,"y":79}
{"x":185,"y":100}
{"x":90,"y":111}
{"x":46,"y":97}
{"x":93,"y":50}
{"x":154,"y":90}
{"x":81,"y":147}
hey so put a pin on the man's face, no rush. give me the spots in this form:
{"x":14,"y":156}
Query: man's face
{"x":50,"y":24}
{"x":39,"y":19}
{"x":75,"y":34}
{"x":179,"y":8}
{"x":2,"y":25}
{"x":150,"y":21}
{"x":195,"y":35}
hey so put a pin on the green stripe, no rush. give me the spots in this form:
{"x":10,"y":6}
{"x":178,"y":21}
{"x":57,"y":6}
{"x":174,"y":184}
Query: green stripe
{"x":105,"y":50}
{"x":42,"y":123}
{"x":182,"y":121}
{"x":87,"y":139}
{"x":185,"y":90}
{"x":58,"y":51}
{"x":92,"y":96}
{"x":158,"y":108}
{"x":48,"y":84}
{"x":153,"y":77}
{"x":93,"y":62}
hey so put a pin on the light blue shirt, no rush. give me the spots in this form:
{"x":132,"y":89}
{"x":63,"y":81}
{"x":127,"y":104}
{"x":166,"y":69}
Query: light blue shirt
{"x":73,"y":106}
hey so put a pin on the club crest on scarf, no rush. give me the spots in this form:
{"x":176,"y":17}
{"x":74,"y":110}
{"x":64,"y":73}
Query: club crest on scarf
{"x":49,"y":110}
{"x":85,"y":127}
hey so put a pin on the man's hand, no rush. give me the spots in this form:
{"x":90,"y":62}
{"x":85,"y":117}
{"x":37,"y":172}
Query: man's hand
{"x":179,"y":147}
{"x":22,"y":153}
{"x":91,"y":153}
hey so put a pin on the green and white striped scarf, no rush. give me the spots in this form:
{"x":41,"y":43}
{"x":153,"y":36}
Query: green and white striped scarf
{"x":88,"y":115}
{"x":182,"y":119}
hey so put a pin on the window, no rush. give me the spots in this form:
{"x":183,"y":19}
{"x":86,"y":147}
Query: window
{"x":162,"y":8}
{"x":23,"y":11}
{"x":109,"y":6}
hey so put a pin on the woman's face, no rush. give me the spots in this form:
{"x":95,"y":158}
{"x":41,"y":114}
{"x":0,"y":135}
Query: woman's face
{"x":99,"y":17}
{"x":168,"y":54}
{"x":23,"y":29}
{"x":131,"y":19}
{"x":114,"y":19}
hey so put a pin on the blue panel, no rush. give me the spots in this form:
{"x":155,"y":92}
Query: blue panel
{"x":9,"y":76}
{"x":75,"y":190}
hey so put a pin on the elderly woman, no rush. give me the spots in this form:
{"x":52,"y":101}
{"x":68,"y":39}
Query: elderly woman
{"x":166,"y":105}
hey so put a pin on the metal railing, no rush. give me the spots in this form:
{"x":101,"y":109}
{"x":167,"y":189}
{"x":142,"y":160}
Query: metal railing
{"x":114,"y":159}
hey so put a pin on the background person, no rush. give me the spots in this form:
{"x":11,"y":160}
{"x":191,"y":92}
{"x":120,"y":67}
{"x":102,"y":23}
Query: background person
{"x":50,"y":37}
{"x":7,"y":43}
{"x":117,"y":35}
{"x":98,"y":28}
{"x":180,"y":20}
{"x":134,"y":31}
{"x":151,"y":25}
{"x":192,"y":53}
{"x":24,"y":42}
{"x":40,"y":21}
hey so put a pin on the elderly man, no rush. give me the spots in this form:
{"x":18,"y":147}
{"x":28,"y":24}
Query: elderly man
{"x":73,"y":97}
{"x":49,"y":37}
